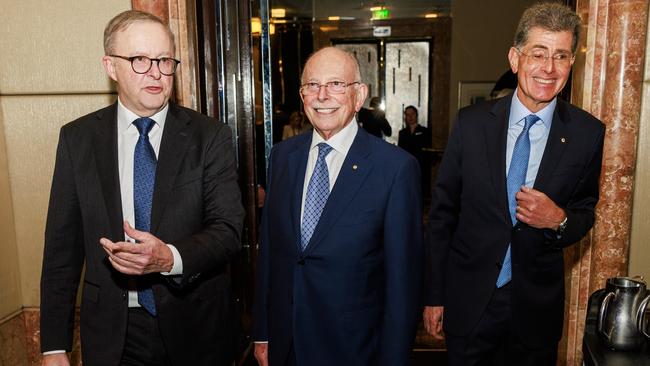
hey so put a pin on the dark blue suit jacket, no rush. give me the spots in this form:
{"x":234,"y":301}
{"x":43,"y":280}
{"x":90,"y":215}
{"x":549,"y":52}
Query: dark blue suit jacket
{"x":351,"y":298}
{"x":470,"y":227}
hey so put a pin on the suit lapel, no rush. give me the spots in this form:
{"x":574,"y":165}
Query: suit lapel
{"x":297,"y":163}
{"x":106,"y":162}
{"x":175,"y":141}
{"x":353,"y":173}
{"x":496,"y":135}
{"x":558,"y":139}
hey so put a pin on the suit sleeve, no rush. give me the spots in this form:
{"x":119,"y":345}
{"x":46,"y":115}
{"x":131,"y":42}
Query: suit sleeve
{"x":219,"y":240}
{"x":581,"y":206}
{"x":443,"y":219}
{"x":63,"y":255}
{"x":403,"y":266}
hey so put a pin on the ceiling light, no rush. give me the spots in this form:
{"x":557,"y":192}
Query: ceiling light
{"x":431,"y":15}
{"x":334,"y":18}
{"x":278,"y":12}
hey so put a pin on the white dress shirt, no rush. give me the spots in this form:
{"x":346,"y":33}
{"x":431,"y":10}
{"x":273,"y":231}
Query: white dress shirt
{"x":127,"y":137}
{"x":340,"y":144}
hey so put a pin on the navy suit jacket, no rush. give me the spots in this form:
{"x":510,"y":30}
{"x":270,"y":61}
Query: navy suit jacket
{"x":351,"y":298}
{"x":470,"y":226}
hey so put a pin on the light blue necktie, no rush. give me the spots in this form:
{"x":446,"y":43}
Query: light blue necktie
{"x":144,"y":176}
{"x":516,"y":179}
{"x":317,"y":192}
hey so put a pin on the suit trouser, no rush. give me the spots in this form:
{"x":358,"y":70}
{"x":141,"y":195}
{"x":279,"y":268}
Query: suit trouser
{"x":143,"y":346}
{"x":494,"y":342}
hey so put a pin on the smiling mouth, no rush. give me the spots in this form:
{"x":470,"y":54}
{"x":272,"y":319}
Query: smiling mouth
{"x":326,"y":110}
{"x":544,"y":81}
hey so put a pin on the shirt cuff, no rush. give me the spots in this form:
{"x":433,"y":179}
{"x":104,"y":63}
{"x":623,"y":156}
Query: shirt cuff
{"x":53,"y":352}
{"x":261,"y":342}
{"x":177,"y":267}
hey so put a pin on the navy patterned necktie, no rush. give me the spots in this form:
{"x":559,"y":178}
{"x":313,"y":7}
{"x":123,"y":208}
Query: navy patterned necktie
{"x":317,"y":192}
{"x":516,"y":178}
{"x":144,"y":177}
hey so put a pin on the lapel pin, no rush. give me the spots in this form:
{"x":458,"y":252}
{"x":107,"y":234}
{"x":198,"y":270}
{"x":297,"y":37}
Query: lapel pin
{"x":563,"y":140}
{"x":354,"y":167}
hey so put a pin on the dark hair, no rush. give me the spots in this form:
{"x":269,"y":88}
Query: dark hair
{"x":554,"y":17}
{"x":413,"y":108}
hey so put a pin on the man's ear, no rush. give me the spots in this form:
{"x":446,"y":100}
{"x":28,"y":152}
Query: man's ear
{"x":109,"y":66}
{"x":360,"y":97}
{"x":513,"y":59}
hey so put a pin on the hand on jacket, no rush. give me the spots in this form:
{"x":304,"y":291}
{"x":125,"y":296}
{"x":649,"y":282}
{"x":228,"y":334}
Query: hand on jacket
{"x":149,"y":255}
{"x":537,"y":210}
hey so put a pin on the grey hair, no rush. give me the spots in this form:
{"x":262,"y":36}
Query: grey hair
{"x":550,"y":16}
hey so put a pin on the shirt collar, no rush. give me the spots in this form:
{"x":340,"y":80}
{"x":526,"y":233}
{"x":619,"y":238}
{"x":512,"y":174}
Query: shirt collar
{"x":518,"y":112}
{"x":125,"y":117}
{"x":341,"y":141}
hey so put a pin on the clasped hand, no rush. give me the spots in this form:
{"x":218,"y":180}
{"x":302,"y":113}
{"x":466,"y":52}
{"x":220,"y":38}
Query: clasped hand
{"x":149,"y":255}
{"x":537,"y":209}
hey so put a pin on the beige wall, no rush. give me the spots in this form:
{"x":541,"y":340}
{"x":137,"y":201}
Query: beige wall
{"x":482,"y":33}
{"x":50,"y":74}
{"x":640,"y":237}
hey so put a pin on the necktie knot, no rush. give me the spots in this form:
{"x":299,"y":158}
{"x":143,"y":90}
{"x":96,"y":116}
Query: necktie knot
{"x":144,"y":125}
{"x":530,"y":121}
{"x":323,"y":150}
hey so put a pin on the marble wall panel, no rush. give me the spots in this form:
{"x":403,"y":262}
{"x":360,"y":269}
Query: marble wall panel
{"x":13,"y":346}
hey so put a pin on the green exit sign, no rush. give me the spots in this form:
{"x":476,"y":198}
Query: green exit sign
{"x":381,"y":14}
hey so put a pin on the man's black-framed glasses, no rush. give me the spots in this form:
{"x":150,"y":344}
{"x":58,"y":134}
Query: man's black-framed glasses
{"x":142,"y":64}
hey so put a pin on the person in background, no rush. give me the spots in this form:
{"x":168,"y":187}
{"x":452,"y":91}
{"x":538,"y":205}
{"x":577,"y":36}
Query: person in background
{"x":144,"y":194}
{"x":506,"y":84}
{"x":373,"y":119}
{"x":414,"y":138}
{"x":518,"y":182}
{"x":339,"y":266}
{"x":296,"y":126}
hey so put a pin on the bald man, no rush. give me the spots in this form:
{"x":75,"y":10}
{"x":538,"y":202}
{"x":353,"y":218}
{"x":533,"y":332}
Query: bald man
{"x":337,"y":282}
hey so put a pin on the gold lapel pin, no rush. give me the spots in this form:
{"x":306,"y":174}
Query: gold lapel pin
{"x":354,"y":167}
{"x":563,"y":140}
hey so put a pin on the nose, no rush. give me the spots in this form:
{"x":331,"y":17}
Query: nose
{"x":549,"y":65}
{"x":154,"y":70}
{"x":322,"y":92}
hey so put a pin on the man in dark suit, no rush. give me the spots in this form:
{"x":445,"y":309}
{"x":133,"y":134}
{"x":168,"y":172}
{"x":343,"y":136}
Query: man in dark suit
{"x":339,"y":264}
{"x":518,"y":182}
{"x":145,"y":193}
{"x":373,"y":119}
{"x":414,"y":138}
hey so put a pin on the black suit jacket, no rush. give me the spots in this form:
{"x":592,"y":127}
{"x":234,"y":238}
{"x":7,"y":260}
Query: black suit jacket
{"x":470,"y":227}
{"x":196,"y":207}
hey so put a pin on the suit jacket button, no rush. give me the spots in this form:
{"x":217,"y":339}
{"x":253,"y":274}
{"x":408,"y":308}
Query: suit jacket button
{"x":124,"y":296}
{"x":301,"y":261}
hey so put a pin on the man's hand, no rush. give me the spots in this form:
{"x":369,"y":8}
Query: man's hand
{"x":150,"y":255}
{"x":262,"y":353}
{"x":56,"y":359}
{"x":537,"y":210}
{"x":432,"y":318}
